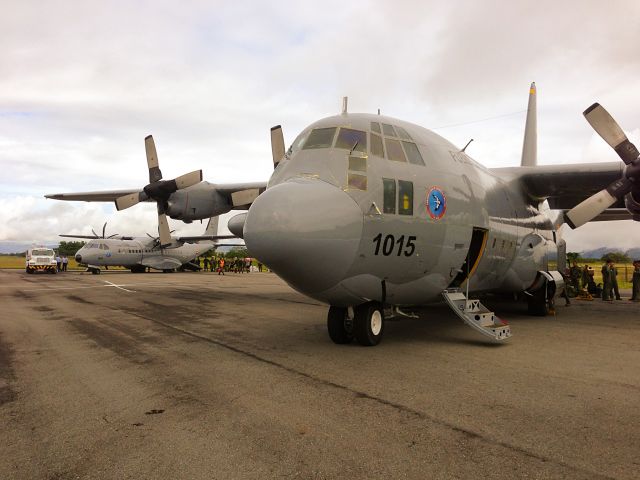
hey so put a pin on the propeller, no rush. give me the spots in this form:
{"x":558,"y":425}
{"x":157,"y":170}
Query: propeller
{"x":605,"y":126}
{"x":104,"y":228}
{"x":158,"y":190}
{"x":277,"y":145}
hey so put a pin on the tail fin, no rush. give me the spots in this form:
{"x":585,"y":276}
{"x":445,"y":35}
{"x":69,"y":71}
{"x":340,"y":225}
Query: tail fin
{"x":530,"y":145}
{"x":212,"y":226}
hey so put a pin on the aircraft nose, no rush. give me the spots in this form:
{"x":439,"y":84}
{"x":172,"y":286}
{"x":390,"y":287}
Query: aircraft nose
{"x":305,"y":230}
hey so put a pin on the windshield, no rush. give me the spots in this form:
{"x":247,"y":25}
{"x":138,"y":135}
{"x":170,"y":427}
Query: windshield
{"x":46,"y":252}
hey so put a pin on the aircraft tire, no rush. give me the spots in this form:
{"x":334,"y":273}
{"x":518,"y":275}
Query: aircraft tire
{"x":368,"y":323}
{"x":340,"y":331}
{"x":95,"y":271}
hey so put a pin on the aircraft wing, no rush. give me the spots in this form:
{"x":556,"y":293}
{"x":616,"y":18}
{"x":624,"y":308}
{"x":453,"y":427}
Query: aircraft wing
{"x":88,"y":237}
{"x":99,"y":196}
{"x":93,"y":237}
{"x":565,"y":186}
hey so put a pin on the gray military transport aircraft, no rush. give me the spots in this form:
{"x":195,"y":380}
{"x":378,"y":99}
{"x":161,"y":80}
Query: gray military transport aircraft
{"x":140,"y":253}
{"x":373,"y":216}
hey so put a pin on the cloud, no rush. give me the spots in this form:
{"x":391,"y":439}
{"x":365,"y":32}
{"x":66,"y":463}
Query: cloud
{"x":82,"y":84}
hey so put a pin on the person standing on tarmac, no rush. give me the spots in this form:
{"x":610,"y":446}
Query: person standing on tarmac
{"x":607,"y":287}
{"x":635,"y":284}
{"x":585,"y":277}
{"x":614,"y":282}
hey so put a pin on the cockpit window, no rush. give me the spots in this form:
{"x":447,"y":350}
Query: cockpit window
{"x":394,"y":150}
{"x":413,"y":153}
{"x":376,"y":145}
{"x":402,"y":133}
{"x":297,"y":143}
{"x":350,"y":139}
{"x":389,"y":130}
{"x":375,"y":127}
{"x":320,"y":138}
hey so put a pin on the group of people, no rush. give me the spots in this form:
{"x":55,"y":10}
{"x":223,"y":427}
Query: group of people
{"x":62,"y":262}
{"x":222,"y":265}
{"x":582,"y":279}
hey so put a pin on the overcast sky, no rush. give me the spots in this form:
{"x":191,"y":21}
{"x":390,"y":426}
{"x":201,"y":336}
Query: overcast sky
{"x":83,"y":82}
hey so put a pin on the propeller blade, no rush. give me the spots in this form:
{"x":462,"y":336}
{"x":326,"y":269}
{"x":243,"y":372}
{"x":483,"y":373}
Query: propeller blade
{"x":598,"y":203}
{"x":94,"y":233}
{"x":152,"y":160}
{"x":104,"y":229}
{"x":163,"y":230}
{"x":605,"y":126}
{"x":188,"y":179}
{"x":130,"y":200}
{"x":277,"y":144}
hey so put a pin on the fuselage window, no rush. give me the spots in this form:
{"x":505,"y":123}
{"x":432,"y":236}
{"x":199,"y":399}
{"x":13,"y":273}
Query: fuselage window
{"x":352,"y":140}
{"x":389,"y":130}
{"x":375,"y":127}
{"x":405,"y":197}
{"x":357,"y":175}
{"x":358,"y":164}
{"x":376,"y":146}
{"x":402,"y":133}
{"x":413,"y":153}
{"x":357,"y":181}
{"x":320,"y":138}
{"x":394,"y":150}
{"x":389,"y":188}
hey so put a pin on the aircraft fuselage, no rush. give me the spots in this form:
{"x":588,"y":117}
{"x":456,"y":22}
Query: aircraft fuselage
{"x":366,"y":207}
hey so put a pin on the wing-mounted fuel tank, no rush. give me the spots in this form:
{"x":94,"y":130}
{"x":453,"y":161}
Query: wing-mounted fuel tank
{"x":200,"y":201}
{"x":543,"y":292}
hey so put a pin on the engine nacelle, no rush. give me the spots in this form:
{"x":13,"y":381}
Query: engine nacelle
{"x":236,"y":224}
{"x":196,"y":203}
{"x":633,"y":204}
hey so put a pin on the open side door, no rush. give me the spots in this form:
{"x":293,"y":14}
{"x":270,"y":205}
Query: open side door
{"x":476,"y":248}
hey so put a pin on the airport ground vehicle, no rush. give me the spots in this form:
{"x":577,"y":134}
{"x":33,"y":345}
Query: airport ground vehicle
{"x":41,"y":259}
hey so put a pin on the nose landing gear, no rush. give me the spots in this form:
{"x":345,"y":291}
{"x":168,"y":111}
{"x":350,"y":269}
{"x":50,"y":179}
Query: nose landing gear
{"x":366,"y":326}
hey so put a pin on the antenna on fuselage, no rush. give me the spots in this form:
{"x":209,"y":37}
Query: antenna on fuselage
{"x":345,"y":101}
{"x":465,"y":147}
{"x":530,"y":144}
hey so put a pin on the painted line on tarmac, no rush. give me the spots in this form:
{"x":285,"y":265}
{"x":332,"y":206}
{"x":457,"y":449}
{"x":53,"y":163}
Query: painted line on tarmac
{"x":109,"y":284}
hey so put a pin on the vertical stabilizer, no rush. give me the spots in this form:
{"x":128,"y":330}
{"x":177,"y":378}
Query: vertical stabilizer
{"x":530,"y":145}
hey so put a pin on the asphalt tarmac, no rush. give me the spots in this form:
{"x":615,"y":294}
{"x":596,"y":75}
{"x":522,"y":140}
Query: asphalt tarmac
{"x":194,"y":375}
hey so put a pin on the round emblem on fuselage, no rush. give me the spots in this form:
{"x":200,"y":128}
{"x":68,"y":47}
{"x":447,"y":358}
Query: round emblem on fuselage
{"x":436,"y":203}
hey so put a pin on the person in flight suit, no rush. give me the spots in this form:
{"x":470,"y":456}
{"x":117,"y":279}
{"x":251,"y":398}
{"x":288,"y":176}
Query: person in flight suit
{"x":607,"y":287}
{"x":635,"y":288}
{"x":614,"y":282}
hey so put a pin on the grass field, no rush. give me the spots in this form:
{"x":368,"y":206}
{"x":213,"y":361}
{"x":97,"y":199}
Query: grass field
{"x":625,"y":271}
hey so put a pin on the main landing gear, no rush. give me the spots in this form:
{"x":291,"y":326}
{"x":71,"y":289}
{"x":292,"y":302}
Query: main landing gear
{"x":365,"y":324}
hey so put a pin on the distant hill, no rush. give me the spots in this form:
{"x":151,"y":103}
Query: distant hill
{"x":19,"y":247}
{"x":633,"y":253}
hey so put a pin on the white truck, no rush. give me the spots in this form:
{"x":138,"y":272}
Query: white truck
{"x":41,"y":258}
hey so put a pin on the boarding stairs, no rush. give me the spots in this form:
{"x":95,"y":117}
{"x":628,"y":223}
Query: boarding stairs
{"x":476,"y":315}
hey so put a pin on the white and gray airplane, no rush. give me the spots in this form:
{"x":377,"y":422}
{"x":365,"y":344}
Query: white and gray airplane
{"x":374,"y":215}
{"x":140,"y":253}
